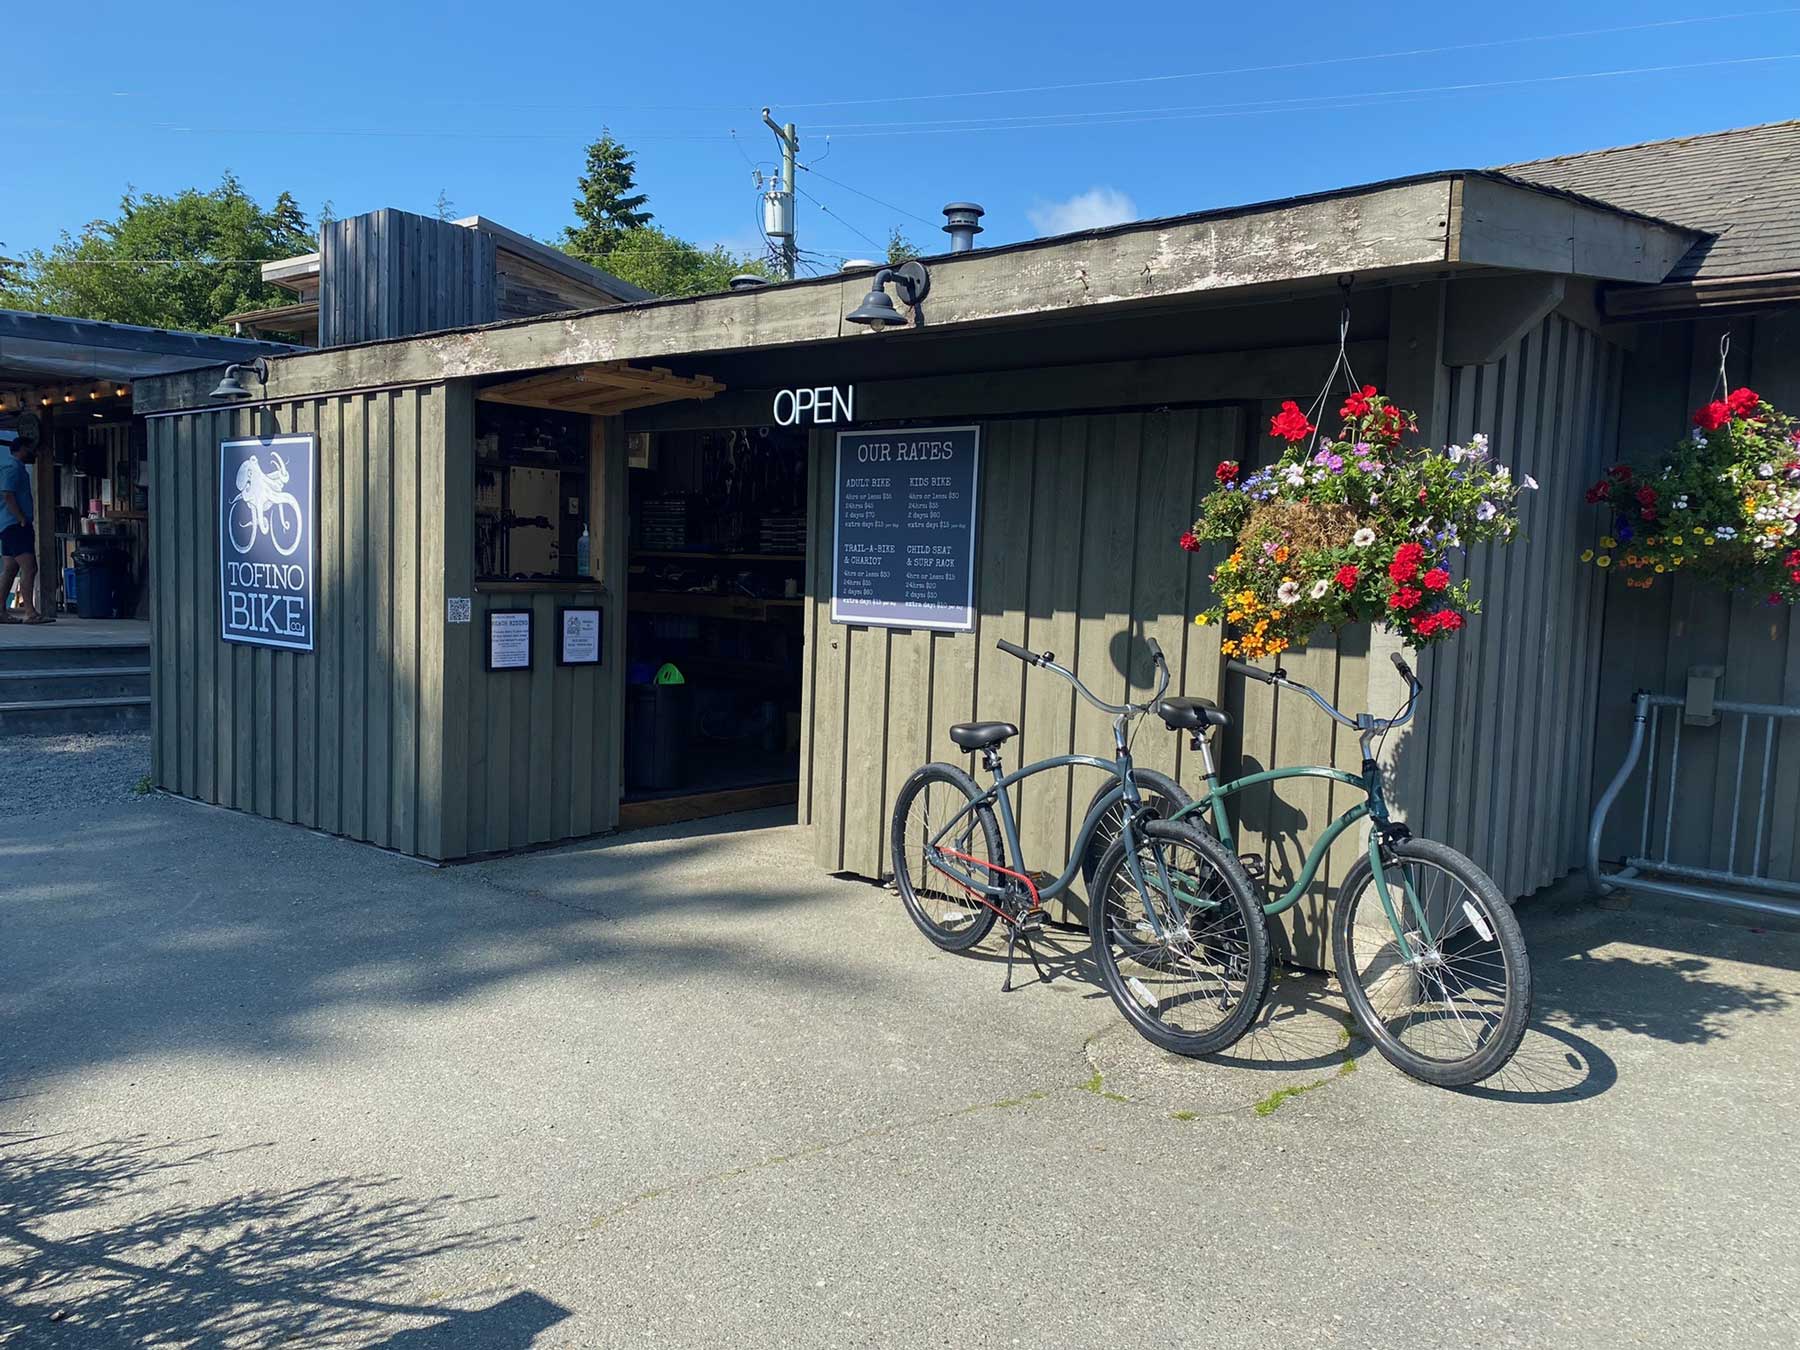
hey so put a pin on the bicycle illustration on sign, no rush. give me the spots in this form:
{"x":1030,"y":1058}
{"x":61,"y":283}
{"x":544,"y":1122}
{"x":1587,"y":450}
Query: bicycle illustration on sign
{"x":264,"y":506}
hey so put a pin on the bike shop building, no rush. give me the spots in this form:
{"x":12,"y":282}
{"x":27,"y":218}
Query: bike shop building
{"x":582,"y":571}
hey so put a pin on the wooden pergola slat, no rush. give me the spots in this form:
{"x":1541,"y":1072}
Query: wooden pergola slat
{"x":602,"y":388}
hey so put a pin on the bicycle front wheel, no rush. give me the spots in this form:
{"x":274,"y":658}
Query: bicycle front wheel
{"x":942,"y":908}
{"x":1455,"y":1011}
{"x":1190,"y":976}
{"x":1162,"y":795}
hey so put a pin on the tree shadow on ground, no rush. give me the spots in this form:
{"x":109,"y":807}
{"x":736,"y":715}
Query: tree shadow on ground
{"x":116,"y":1244}
{"x":173,"y":926}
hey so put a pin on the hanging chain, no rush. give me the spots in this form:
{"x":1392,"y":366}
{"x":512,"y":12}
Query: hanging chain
{"x":1722,"y":386}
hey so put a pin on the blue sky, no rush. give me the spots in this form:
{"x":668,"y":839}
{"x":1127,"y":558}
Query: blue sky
{"x":1077,"y":115}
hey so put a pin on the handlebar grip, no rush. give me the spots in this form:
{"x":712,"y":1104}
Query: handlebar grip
{"x":1156,"y":652}
{"x":1401,"y":666}
{"x":1030,"y":658}
{"x":1253,"y":672}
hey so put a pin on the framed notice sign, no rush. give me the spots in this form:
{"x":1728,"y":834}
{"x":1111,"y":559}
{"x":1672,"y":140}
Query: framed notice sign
{"x":578,"y":639}
{"x":267,"y":551}
{"x":903,"y":553}
{"x":509,"y":639}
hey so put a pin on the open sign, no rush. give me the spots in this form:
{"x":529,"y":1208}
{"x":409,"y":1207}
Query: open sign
{"x":822,"y":405}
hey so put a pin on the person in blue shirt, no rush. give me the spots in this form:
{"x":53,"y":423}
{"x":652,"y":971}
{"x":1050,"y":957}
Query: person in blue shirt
{"x":18,"y":549}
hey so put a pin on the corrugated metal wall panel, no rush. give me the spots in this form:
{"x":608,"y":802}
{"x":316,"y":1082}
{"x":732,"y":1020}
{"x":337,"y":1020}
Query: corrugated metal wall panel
{"x":389,"y":274}
{"x":1653,"y":637}
{"x":1504,"y":741}
{"x":335,"y":738}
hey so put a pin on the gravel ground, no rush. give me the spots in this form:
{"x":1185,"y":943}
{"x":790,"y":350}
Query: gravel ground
{"x":74,"y":770}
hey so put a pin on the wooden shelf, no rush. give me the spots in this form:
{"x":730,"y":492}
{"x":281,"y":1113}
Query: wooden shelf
{"x":718,"y":557}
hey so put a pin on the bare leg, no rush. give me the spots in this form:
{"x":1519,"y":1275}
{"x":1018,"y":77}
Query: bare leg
{"x":8,"y":570}
{"x":28,"y":569}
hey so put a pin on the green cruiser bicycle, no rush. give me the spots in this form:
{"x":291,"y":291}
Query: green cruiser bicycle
{"x":1430,"y":956}
{"x":1193,"y":945}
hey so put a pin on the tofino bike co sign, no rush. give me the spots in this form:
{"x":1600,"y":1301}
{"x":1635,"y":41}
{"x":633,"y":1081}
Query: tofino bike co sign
{"x":267,"y":555}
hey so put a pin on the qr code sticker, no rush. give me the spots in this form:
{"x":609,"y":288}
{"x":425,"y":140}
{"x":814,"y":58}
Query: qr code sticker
{"x":460,"y":609}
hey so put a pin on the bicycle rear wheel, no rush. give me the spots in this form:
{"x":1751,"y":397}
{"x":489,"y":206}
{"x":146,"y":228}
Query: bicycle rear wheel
{"x":1454,"y":1014}
{"x":1195,"y":988}
{"x":943,"y":910}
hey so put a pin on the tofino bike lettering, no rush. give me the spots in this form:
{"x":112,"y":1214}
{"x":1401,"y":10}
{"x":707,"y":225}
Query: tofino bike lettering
{"x":266,"y":564}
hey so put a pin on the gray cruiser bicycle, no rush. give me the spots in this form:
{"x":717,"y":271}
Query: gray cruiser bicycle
{"x":1178,"y":933}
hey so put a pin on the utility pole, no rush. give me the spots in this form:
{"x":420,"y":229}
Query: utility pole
{"x":778,"y":201}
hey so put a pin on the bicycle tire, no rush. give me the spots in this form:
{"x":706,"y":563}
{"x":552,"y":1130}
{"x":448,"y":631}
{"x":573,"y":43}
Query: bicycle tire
{"x":929,"y":905}
{"x":1244,"y":953}
{"x":1469,"y":968}
{"x":1160,"y":792}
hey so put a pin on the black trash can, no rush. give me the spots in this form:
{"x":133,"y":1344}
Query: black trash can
{"x":102,"y":573}
{"x":656,"y":736}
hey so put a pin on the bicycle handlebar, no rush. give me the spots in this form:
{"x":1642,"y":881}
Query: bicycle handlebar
{"x":1361,"y":722}
{"x":1048,"y":661}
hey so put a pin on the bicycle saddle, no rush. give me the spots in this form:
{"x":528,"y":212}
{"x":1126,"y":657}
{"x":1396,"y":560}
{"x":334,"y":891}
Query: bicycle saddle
{"x":1191,"y":714}
{"x":980,"y":735}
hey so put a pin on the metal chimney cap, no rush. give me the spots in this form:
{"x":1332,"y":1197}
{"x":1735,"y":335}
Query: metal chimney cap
{"x":965,"y":209}
{"x":748,"y":281}
{"x":858,"y":264}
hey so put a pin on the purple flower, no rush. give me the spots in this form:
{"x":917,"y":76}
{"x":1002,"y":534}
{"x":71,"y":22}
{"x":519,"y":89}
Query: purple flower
{"x":1486,"y":511}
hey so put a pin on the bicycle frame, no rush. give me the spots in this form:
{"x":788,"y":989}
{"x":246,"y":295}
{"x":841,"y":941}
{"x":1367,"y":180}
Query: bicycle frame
{"x":1211,"y":808}
{"x":998,"y":794}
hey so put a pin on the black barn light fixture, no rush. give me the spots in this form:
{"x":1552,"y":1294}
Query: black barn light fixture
{"x":910,"y":280}
{"x":232,"y":386}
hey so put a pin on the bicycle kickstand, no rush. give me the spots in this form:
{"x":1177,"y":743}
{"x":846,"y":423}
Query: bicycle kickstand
{"x":1015,"y":934}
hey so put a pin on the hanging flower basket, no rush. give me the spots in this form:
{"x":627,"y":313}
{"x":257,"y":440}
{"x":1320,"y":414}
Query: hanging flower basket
{"x":1358,"y":528}
{"x":1723,"y":506}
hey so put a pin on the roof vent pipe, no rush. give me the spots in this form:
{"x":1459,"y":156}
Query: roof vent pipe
{"x":748,"y":281}
{"x":962,"y":224}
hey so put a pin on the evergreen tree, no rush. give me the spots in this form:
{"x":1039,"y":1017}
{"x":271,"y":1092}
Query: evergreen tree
{"x":609,"y":205}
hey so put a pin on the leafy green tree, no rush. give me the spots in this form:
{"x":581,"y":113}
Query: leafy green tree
{"x":609,"y":204}
{"x":182,"y":261}
{"x":899,"y":248}
{"x":664,"y":265}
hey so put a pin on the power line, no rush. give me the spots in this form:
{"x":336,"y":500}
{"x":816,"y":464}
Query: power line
{"x":1306,"y":65}
{"x":835,"y":216}
{"x":911,"y":215}
{"x":1129,"y":116}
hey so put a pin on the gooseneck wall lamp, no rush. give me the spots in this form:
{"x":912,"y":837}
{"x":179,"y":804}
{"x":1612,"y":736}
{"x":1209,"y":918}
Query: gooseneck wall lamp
{"x":910,"y":281}
{"x":233,"y":387}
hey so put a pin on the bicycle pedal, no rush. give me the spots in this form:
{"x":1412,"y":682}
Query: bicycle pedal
{"x":1253,"y":866}
{"x":1041,"y":880}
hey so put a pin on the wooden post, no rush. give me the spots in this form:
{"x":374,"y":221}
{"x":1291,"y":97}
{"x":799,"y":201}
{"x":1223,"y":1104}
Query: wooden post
{"x":43,"y":492}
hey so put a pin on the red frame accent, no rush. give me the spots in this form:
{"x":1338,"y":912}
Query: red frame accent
{"x":978,"y":897}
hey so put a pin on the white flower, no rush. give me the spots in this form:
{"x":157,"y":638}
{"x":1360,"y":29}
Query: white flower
{"x":1478,"y":443}
{"x":1503,"y":473}
{"x":1699,"y":440}
{"x":1531,"y":482}
{"x":1725,"y":532}
{"x":1765,"y":470}
{"x":1374,"y":499}
{"x":1288,"y":592}
{"x":1295,"y":476}
{"x":1456,"y":454}
{"x":1363,"y":537}
{"x":1319,"y":588}
{"x":1681,"y":502}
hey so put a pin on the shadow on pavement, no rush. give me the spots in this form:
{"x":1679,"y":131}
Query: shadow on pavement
{"x":105,"y":1245}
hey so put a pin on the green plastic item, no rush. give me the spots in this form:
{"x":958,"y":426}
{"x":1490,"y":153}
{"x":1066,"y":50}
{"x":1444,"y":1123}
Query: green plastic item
{"x":669,"y":674}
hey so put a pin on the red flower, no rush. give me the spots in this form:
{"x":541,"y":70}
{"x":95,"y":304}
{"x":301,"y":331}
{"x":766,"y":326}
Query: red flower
{"x":1436,"y":579}
{"x":1348,"y":575}
{"x":1227,"y":472}
{"x":1290,"y":423}
{"x":1742,"y":402}
{"x":1713,"y":416}
{"x":1191,"y":542}
{"x":1596,"y":493}
{"x":1406,"y":562}
{"x":1357,"y":405}
{"x":1646,"y":496}
{"x":1405,"y":598}
{"x":1620,"y":472}
{"x":1648,"y":513}
{"x":1446,"y":620}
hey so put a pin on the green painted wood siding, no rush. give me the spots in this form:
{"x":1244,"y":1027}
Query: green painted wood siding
{"x":1077,"y":554}
{"x":1652,"y":637}
{"x":344,"y":738}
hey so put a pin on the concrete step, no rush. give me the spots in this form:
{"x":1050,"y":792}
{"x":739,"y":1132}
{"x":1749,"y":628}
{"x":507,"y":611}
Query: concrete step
{"x":74,"y":682}
{"x":47,"y":716}
{"x":18,"y":656}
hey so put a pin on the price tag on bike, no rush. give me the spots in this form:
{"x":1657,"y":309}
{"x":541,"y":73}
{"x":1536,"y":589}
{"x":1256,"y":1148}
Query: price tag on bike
{"x":267,"y":557}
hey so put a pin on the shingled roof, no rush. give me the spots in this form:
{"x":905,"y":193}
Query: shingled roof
{"x":1741,"y":186}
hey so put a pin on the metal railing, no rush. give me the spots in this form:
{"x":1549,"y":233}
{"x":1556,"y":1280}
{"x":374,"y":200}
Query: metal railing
{"x":1667,"y":875}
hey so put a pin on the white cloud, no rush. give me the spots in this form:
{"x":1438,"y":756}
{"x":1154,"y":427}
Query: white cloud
{"x":1084,"y":211}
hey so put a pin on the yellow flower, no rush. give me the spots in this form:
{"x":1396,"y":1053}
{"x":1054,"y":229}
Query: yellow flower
{"x":1661,"y":568}
{"x":1607,"y":541}
{"x":1587,"y":555}
{"x":1603,"y":561}
{"x":1710,"y":541}
{"x":1203,"y":619}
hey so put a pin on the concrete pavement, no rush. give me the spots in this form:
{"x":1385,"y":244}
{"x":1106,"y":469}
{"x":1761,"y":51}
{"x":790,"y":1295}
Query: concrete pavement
{"x":262,"y":1087}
